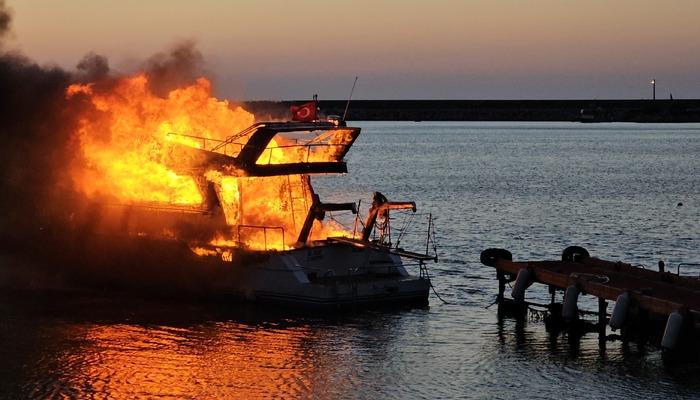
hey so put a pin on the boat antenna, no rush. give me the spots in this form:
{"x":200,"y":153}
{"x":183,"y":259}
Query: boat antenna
{"x":347,"y":105}
{"x":316,"y":108}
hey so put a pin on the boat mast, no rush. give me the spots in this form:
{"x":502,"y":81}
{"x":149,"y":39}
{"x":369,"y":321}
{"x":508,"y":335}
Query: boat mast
{"x":347,"y":105}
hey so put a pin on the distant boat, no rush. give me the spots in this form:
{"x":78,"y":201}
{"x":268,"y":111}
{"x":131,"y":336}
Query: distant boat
{"x":594,"y":114}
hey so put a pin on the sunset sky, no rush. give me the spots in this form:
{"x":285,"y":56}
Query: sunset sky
{"x":401,"y":49}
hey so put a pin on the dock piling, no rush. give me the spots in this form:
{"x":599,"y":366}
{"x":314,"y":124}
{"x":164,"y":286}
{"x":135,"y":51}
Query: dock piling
{"x":602,"y":322}
{"x":501,"y":285}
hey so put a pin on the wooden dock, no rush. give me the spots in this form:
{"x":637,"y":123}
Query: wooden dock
{"x":644,"y":295}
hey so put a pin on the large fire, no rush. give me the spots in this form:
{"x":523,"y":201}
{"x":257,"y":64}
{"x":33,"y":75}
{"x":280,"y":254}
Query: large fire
{"x":129,"y":140}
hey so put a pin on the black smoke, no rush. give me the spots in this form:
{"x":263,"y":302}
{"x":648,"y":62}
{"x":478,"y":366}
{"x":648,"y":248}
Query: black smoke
{"x":181,"y":65}
{"x":34,"y":132}
{"x":42,"y":216}
{"x":93,"y":67}
{"x":37,"y":122}
{"x":5,"y":18}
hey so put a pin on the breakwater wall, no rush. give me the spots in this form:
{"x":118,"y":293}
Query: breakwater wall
{"x":686,"y":110}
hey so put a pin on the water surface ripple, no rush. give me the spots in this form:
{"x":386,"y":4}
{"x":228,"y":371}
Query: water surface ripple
{"x":533,"y":188}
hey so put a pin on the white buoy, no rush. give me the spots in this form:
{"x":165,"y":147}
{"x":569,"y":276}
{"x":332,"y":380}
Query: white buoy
{"x":619,"y":314}
{"x":522,"y":282}
{"x":570,"y":307}
{"x":672,"y":332}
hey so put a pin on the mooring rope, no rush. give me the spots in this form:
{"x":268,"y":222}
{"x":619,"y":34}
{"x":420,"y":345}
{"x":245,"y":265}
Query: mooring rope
{"x":430,"y":282}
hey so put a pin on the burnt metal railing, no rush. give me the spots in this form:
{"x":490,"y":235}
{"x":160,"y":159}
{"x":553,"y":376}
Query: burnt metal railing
{"x":221,"y":146}
{"x":216,"y":144}
{"x":231,"y":139}
{"x":264,"y":229}
{"x":308,"y":146}
{"x":226,"y":151}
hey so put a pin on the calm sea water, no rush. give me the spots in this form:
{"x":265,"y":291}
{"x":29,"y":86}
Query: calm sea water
{"x":532,"y":188}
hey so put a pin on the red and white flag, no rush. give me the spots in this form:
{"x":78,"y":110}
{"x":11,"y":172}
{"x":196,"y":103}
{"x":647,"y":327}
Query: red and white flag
{"x":304,"y":113}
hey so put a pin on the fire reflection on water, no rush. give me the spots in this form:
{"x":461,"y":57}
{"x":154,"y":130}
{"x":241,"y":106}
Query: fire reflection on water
{"x":139,"y":361}
{"x":214,"y":360}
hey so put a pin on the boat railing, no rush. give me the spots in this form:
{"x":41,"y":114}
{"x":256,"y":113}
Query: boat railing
{"x":224,"y":148}
{"x":678,"y":269}
{"x":232,"y":139}
{"x":308,"y":151}
{"x":264,"y":230}
{"x":210,"y":144}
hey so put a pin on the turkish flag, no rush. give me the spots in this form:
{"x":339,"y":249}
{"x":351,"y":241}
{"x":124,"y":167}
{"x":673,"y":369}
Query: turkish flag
{"x":304,"y":113}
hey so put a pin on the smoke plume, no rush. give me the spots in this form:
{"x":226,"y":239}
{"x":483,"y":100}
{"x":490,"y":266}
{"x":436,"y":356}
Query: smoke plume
{"x":4,"y":19}
{"x":93,"y":67}
{"x":37,"y":122}
{"x":175,"y":68}
{"x":33,"y":131}
{"x":38,"y":146}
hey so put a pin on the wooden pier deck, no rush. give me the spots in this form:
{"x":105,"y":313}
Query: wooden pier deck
{"x":656,"y":293}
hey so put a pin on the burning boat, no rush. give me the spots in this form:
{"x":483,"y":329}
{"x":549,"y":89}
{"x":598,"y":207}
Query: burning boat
{"x":172,"y":205}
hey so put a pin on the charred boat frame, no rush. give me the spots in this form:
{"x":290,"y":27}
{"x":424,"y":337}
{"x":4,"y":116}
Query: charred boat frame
{"x":332,"y":272}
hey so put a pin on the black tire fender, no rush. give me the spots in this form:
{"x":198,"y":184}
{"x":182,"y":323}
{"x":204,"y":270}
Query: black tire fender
{"x":489,"y":256}
{"x":574,"y":253}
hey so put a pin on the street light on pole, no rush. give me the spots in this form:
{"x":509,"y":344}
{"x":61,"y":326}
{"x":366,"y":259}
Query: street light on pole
{"x":653,"y":89}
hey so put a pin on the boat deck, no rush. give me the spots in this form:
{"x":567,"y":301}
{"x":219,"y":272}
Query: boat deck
{"x":399,"y":252}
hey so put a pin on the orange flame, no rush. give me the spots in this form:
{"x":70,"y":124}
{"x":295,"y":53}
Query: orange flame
{"x":124,"y":143}
{"x":127,"y":136}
